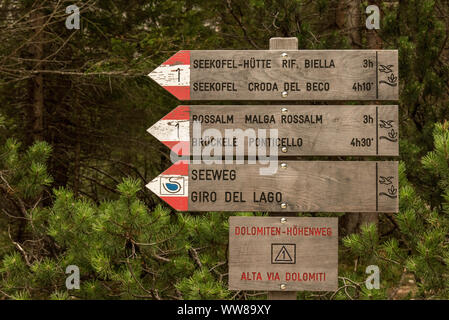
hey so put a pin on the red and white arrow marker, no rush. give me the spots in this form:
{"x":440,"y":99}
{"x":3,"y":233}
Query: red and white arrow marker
{"x":172,"y":186}
{"x":279,"y":75}
{"x":173,"y":130}
{"x":302,"y":186}
{"x":330,"y":130}
{"x":174,"y":75}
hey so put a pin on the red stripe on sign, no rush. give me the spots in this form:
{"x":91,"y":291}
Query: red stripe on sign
{"x":179,"y":113}
{"x":180,"y":92}
{"x":181,"y":148}
{"x":177,"y":203}
{"x":180,"y":57}
{"x":180,"y":168}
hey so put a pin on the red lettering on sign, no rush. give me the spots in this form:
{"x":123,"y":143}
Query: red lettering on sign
{"x":273,"y":276}
{"x":251,"y":276}
{"x":309,"y":231}
{"x":277,"y":231}
{"x":305,"y":276}
{"x":257,"y":231}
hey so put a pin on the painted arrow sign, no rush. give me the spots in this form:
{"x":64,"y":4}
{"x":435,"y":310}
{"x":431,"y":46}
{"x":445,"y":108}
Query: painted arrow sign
{"x":280,"y":75}
{"x":301,"y":130}
{"x":296,"y":186}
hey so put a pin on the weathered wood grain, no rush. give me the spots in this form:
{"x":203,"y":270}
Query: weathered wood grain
{"x":281,"y":43}
{"x":336,"y":75}
{"x":301,"y":130}
{"x":310,"y":256}
{"x":304,"y":186}
{"x":284,"y":43}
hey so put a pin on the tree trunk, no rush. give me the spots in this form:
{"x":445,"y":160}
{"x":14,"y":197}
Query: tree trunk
{"x":373,"y":42}
{"x":372,"y":36}
{"x":349,"y":20}
{"x":37,"y":82}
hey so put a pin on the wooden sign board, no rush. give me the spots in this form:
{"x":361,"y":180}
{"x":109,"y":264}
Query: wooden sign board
{"x":293,"y":254}
{"x":296,"y":186}
{"x":320,"y":130}
{"x":281,"y":75}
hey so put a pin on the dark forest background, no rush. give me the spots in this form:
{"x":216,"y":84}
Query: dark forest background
{"x":75,"y":154}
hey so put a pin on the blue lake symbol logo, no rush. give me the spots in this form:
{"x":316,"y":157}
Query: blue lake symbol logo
{"x":172,"y":185}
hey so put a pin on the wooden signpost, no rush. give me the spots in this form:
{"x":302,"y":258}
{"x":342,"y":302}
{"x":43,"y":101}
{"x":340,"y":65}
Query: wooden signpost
{"x":288,"y":254}
{"x":325,"y":130}
{"x":282,"y":254}
{"x":280,"y":75}
{"x":297,"y":186}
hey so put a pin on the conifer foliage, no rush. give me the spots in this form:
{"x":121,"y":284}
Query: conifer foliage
{"x":122,"y":249}
{"x":420,"y":244}
{"x":75,"y":105}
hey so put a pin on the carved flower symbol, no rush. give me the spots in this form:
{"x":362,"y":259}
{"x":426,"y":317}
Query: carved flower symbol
{"x":392,"y":78}
{"x":392,"y":190}
{"x":392,"y":134}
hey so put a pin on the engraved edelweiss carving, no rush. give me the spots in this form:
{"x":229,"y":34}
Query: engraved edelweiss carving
{"x":390,"y":135}
{"x":391,"y":80}
{"x":391,"y":191}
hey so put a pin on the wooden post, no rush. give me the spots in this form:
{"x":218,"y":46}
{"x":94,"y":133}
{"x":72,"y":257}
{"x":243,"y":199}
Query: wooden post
{"x":283,"y":44}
